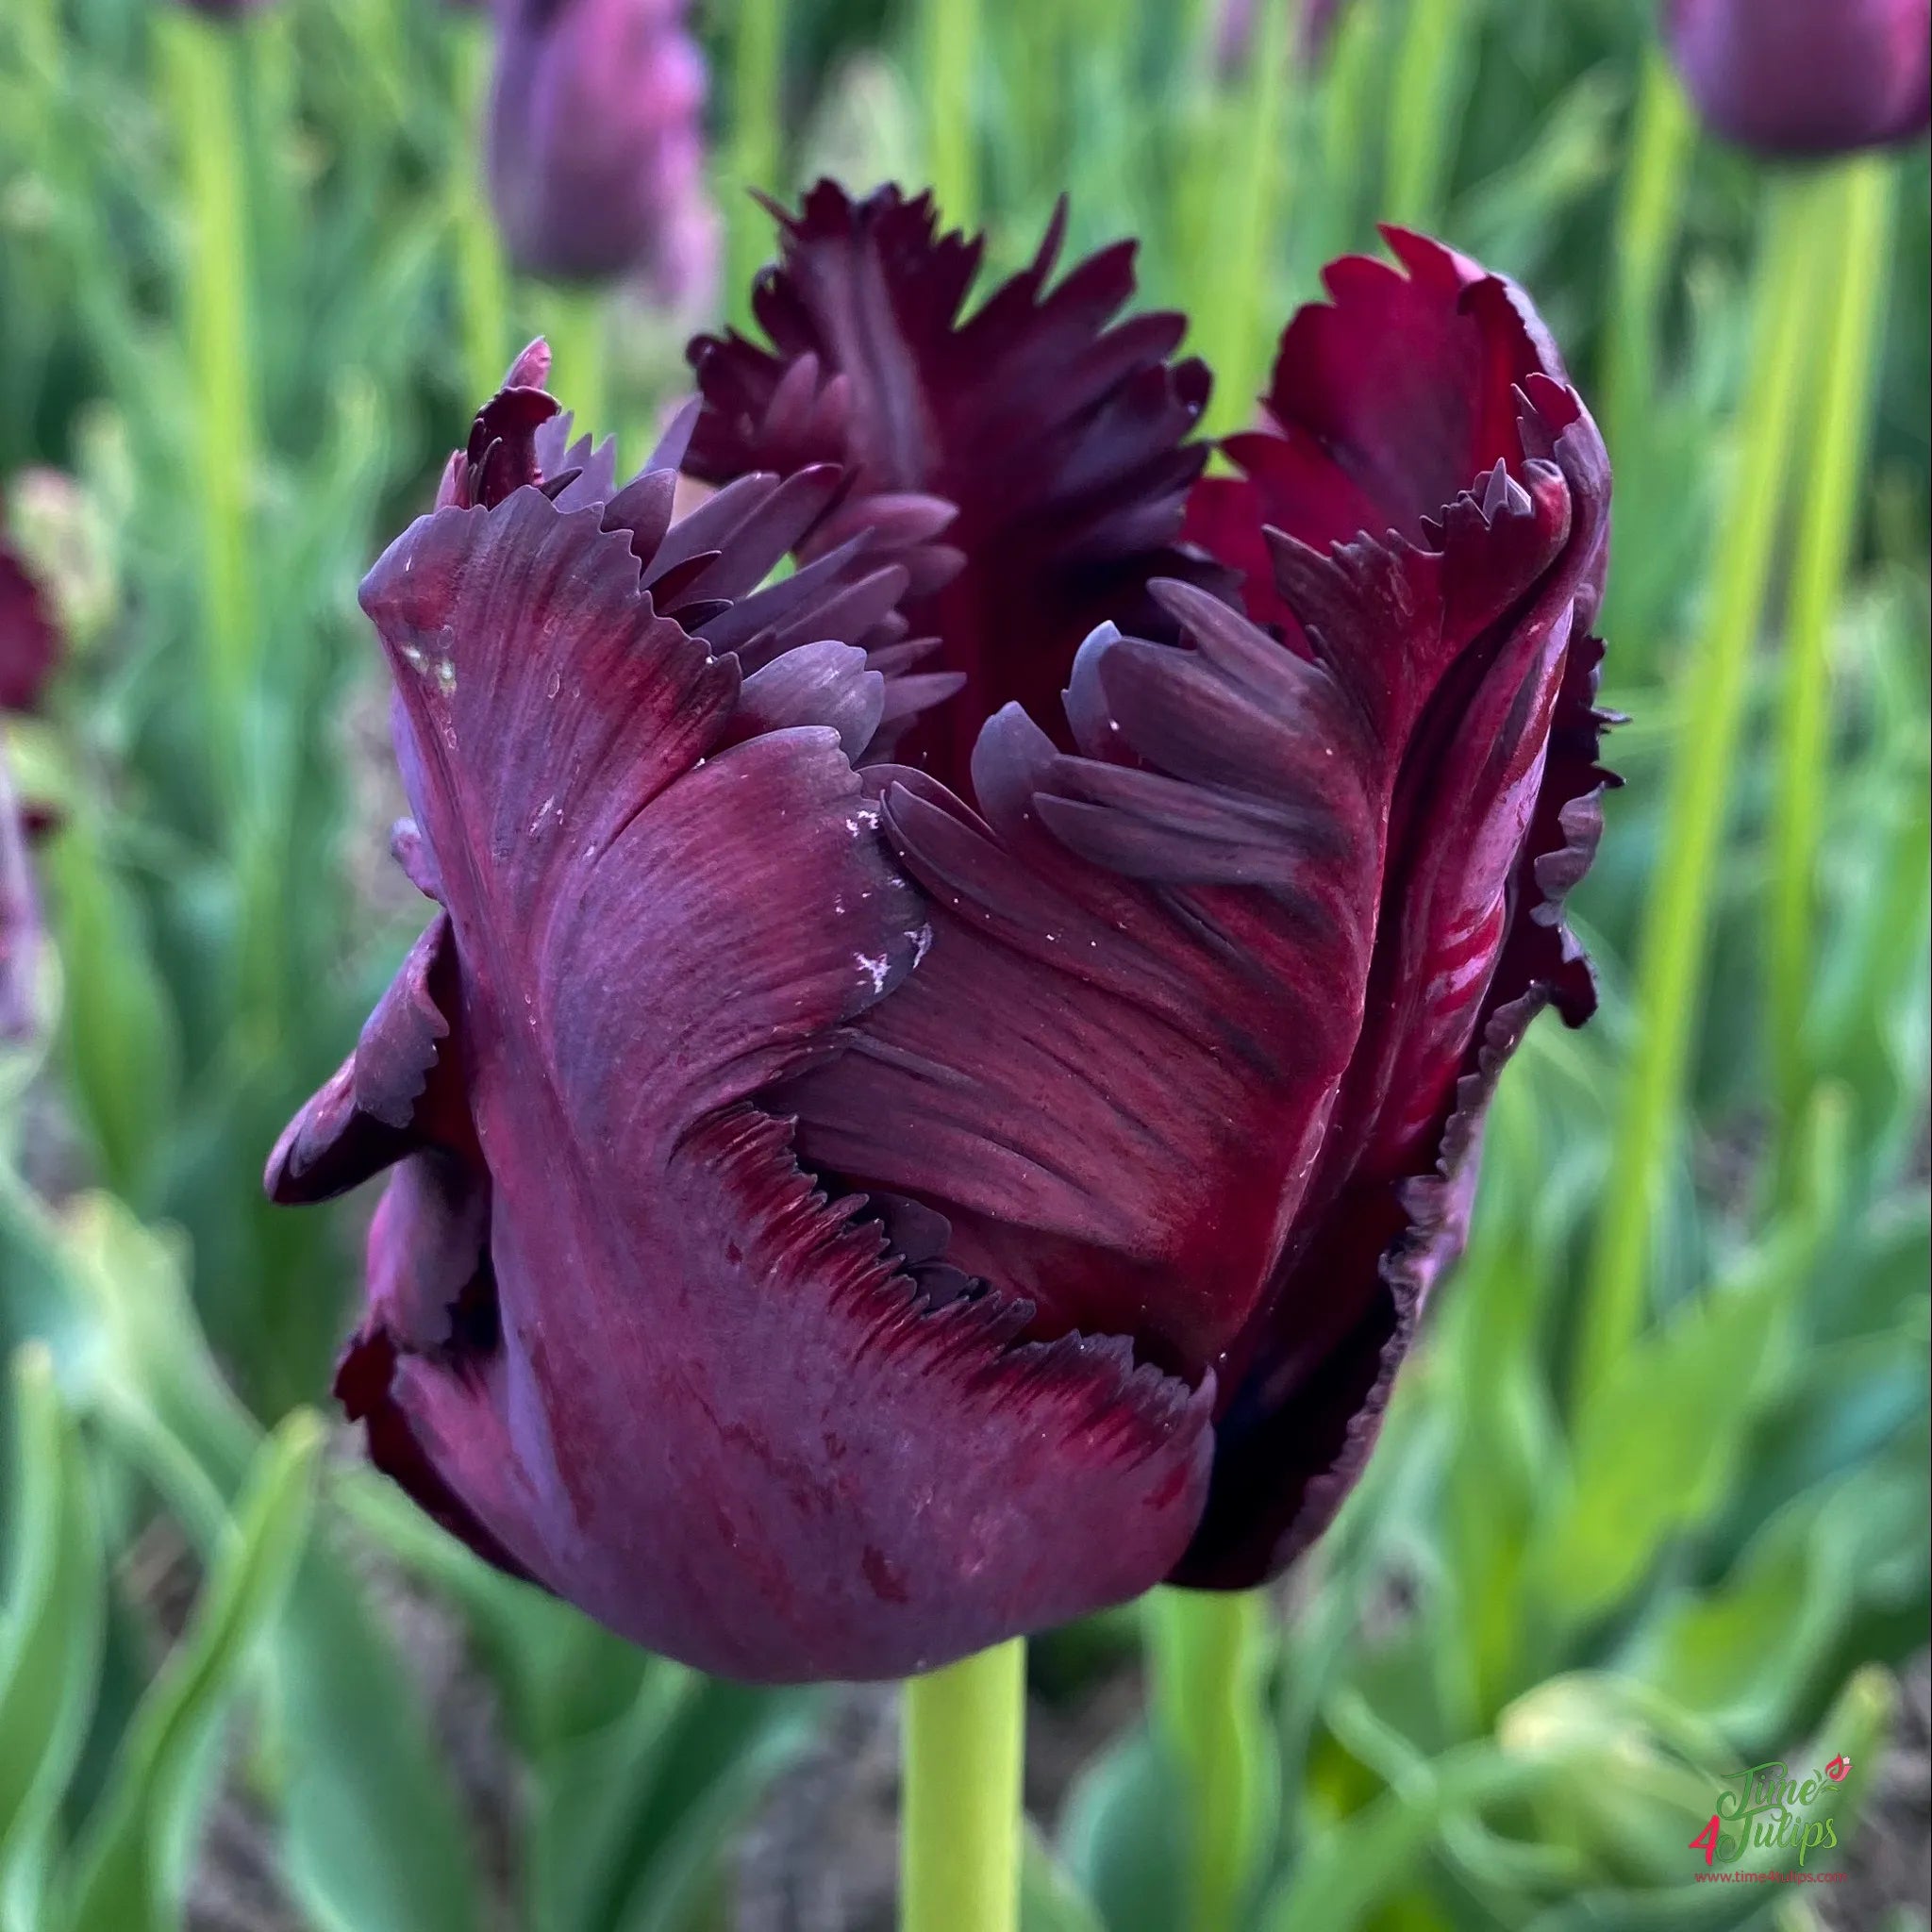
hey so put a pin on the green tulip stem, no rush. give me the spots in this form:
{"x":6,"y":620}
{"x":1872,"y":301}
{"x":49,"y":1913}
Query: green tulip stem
{"x":1704,"y":782}
{"x":1424,"y":104}
{"x":755,"y":159}
{"x":197,"y":58}
{"x":1250,"y":192}
{"x":960,"y":1814}
{"x":1209,"y":1652}
{"x":575,"y":324}
{"x":1649,"y":213}
{"x":951,"y":50}
{"x":1850,"y":273}
{"x":482,"y":280}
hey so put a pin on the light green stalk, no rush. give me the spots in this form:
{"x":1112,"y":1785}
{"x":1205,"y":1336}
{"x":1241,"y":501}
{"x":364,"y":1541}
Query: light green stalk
{"x":1238,"y":316}
{"x":960,"y":1816}
{"x":950,"y":48}
{"x":1712,"y":693}
{"x":197,"y":64}
{"x":756,"y":145}
{"x":1424,"y":104}
{"x":1850,"y":268}
{"x":1209,"y":1652}
{"x":482,"y":281}
{"x":575,"y":323}
{"x":1650,"y":212}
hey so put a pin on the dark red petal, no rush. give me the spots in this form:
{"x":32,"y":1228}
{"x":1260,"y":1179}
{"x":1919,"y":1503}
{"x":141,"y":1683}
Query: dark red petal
{"x":1056,"y":429}
{"x":399,"y":1089}
{"x":1301,"y":1431}
{"x":1494,"y":815}
{"x":1113,"y":1071}
{"x":1385,"y":403}
{"x":839,"y":1477}
{"x":666,"y":889}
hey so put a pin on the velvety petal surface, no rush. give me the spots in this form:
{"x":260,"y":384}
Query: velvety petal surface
{"x":1206,"y":994}
{"x":1494,"y":818}
{"x":1056,"y":428}
{"x":617,"y":1337}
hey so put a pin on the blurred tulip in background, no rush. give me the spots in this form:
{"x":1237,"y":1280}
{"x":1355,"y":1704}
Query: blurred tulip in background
{"x":1805,"y":76}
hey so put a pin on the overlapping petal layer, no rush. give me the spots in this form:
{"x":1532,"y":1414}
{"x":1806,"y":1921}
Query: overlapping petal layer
{"x":616,"y":1336}
{"x":1054,"y":428}
{"x":833,"y":1224}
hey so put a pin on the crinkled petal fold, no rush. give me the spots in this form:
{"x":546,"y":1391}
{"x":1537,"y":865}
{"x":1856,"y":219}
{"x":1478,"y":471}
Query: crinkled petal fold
{"x":1054,"y":428}
{"x":617,"y":1337}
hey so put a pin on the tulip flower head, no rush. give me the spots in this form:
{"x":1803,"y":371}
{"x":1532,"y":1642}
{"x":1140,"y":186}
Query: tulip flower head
{"x":1805,"y":76}
{"x":862,"y":1186}
{"x":596,"y":151}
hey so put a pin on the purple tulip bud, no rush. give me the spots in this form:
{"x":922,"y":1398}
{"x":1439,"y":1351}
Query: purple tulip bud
{"x":1805,"y":76}
{"x":1234,"y":31}
{"x":596,"y":147}
{"x":842,"y":1213}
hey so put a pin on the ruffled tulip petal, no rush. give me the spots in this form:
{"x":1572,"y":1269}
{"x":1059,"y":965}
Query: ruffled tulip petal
{"x":385,"y":1099}
{"x":1056,"y":429}
{"x":1497,"y":816}
{"x":1201,"y":999}
{"x":617,"y":1338}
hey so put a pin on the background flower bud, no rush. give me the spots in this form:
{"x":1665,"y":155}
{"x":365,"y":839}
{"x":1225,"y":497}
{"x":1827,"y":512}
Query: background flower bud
{"x":595,"y":152}
{"x":1805,"y":76}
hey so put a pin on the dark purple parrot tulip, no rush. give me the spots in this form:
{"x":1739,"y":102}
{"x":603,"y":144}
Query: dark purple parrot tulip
{"x":1805,"y":76}
{"x":834,"y":1225}
{"x":596,"y":147}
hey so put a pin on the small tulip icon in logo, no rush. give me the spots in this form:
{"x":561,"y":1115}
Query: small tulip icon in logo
{"x":1837,"y":1770}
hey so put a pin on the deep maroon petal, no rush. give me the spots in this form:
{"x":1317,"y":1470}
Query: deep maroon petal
{"x":1385,"y":403}
{"x":626,"y":1345}
{"x":1805,"y":76}
{"x":400,"y":1088}
{"x":1493,"y":817}
{"x":1056,"y":429}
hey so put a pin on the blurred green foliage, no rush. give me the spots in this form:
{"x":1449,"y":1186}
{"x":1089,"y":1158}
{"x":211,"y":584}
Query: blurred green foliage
{"x":247,"y":299}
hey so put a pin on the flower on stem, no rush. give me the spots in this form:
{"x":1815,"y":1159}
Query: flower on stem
{"x":1805,"y":76}
{"x":595,"y":149}
{"x":843,"y":1213}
